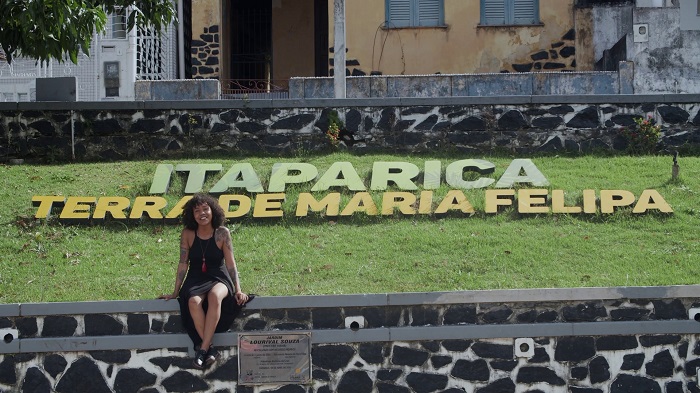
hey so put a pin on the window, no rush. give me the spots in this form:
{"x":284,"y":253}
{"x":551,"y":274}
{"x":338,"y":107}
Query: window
{"x":698,"y":7}
{"x":510,"y":12}
{"x":414,"y":13}
{"x":118,"y":24}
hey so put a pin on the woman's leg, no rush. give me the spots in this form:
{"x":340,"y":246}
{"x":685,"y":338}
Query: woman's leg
{"x":197,"y":313}
{"x":214,"y":298}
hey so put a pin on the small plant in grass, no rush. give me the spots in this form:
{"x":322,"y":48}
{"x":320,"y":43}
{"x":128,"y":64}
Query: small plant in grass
{"x":643,"y":137}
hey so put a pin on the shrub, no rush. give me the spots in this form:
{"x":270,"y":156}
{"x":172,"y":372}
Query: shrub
{"x":334,"y":127}
{"x":643,"y":137}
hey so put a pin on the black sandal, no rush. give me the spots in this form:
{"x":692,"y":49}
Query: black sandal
{"x":200,"y":359}
{"x":212,"y":356}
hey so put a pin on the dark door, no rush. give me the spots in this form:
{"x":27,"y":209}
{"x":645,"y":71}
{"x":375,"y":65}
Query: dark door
{"x":321,"y":37}
{"x":251,"y":41}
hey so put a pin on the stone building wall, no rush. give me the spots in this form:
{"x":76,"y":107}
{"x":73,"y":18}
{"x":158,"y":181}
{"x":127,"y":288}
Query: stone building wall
{"x":479,"y":125}
{"x":560,"y":56}
{"x":593,"y":340}
{"x":205,"y":45}
{"x":206,"y":53}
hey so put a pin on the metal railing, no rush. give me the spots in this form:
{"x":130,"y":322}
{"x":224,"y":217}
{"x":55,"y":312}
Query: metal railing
{"x":254,"y":88}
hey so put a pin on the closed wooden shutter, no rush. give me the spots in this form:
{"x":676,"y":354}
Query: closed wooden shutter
{"x":525,"y":12}
{"x":430,"y":12}
{"x":398,"y":13}
{"x":493,"y":12}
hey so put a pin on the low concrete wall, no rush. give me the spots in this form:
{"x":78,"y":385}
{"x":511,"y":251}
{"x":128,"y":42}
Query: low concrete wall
{"x":173,"y":90}
{"x":477,"y":125}
{"x":606,"y":340}
{"x":467,"y":85}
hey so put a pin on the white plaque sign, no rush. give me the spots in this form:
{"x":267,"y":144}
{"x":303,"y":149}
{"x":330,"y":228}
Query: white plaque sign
{"x":274,"y":358}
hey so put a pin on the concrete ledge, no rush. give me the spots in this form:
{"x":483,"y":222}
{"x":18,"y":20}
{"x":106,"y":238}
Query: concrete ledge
{"x":219,"y":105}
{"x":681,"y":98}
{"x":108,"y":307}
{"x":369,"y":300}
{"x":336,"y":336}
{"x":9,"y":310}
{"x":545,"y":295}
{"x":101,"y":343}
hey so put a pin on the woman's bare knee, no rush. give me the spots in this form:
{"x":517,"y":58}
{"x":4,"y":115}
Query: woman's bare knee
{"x":215,"y":297}
{"x":195,"y":301}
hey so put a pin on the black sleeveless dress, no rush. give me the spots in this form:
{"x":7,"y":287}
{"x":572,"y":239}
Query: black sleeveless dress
{"x":199,"y":281}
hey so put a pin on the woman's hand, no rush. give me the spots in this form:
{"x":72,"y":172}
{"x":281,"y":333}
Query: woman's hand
{"x":241,"y":298}
{"x":168,"y":297}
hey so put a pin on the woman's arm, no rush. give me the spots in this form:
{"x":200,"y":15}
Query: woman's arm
{"x":223,"y":237}
{"x":181,"y":266}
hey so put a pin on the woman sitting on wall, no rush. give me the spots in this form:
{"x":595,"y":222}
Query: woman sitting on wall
{"x":210,"y":296}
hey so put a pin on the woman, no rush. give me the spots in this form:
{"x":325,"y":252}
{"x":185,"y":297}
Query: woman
{"x":210,"y":296}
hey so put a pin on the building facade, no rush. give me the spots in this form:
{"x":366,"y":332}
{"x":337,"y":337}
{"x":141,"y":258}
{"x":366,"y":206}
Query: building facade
{"x":116,"y":59}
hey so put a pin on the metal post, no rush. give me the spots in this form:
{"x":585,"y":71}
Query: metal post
{"x":72,"y":134}
{"x":181,"y":39}
{"x":339,"y":48}
{"x":675,"y":169}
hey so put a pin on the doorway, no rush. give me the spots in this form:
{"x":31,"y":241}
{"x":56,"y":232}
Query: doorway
{"x":251,"y":40}
{"x":267,"y":42}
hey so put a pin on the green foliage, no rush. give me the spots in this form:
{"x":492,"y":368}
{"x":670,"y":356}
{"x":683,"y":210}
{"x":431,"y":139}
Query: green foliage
{"x":47,"y":261}
{"x":60,"y":29}
{"x":333,"y":133}
{"x":334,"y":126}
{"x":643,"y":138}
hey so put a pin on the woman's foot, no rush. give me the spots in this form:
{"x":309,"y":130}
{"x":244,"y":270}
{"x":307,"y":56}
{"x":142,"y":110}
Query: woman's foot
{"x":200,"y":359}
{"x":212,"y":356}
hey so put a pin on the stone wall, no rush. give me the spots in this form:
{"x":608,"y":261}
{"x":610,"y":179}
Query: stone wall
{"x":593,"y":340}
{"x":205,"y":46}
{"x":559,"y":57}
{"x":478,"y":125}
{"x":206,"y":53}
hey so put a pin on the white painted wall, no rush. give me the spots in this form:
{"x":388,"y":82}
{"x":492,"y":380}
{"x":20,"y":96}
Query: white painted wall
{"x":610,"y":24}
{"x":670,"y":61}
{"x":690,"y":15}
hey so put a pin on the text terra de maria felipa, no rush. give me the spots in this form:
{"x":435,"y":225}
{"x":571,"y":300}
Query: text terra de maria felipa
{"x":522,"y":186}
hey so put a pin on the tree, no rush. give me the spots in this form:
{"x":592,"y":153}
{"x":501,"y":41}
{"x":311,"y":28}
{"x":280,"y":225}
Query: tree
{"x":60,"y":29}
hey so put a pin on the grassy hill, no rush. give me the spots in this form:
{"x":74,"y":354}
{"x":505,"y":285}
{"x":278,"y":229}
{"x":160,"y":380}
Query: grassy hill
{"x":51,"y":260}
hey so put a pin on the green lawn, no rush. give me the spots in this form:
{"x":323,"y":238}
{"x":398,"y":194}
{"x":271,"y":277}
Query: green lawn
{"x":50,"y":260}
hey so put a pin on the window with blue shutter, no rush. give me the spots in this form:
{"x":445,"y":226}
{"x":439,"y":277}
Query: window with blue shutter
{"x":510,"y":12}
{"x":414,"y":13}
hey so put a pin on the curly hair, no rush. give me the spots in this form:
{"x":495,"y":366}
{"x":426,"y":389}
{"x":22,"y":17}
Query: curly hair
{"x":217,"y":212}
